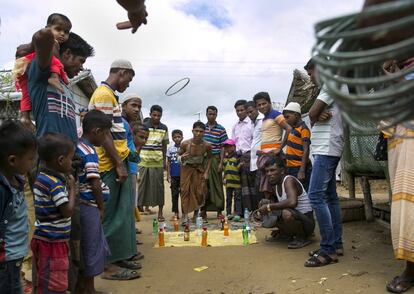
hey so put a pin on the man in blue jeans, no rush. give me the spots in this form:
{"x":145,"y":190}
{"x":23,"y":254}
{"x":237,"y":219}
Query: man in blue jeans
{"x":327,"y":145}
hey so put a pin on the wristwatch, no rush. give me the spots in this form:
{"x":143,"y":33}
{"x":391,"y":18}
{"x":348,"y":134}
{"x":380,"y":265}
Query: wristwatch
{"x":268,"y":208}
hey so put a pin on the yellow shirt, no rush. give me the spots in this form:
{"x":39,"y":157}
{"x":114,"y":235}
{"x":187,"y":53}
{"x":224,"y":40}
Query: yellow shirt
{"x":104,"y":99}
{"x":271,"y":131}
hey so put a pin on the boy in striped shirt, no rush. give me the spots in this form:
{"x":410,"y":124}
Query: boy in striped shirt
{"x":54,"y":191}
{"x":297,"y":145}
{"x":232,"y":180}
{"x":92,"y":193}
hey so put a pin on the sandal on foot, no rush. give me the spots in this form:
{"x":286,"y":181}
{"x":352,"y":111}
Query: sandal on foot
{"x":139,"y":242}
{"x":137,"y":256}
{"x":298,"y":243}
{"x":315,"y":261}
{"x":161,"y":219}
{"x":122,"y":275}
{"x":129,"y":264}
{"x":339,"y":252}
{"x":138,"y":231}
{"x":399,"y":285}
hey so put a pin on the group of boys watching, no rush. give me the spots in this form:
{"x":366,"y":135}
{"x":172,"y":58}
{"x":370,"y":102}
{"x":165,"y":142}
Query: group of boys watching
{"x":266,"y":166}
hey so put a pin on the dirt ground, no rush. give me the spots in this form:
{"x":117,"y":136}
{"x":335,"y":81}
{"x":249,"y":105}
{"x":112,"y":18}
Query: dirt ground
{"x":264,"y":267}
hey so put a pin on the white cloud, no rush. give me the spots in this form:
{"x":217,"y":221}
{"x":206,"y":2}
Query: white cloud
{"x":256,"y":51}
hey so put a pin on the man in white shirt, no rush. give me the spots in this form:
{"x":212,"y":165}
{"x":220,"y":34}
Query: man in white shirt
{"x":242,"y":133}
{"x":257,"y":118}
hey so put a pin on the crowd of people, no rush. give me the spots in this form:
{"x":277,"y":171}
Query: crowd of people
{"x":76,"y":193}
{"x":117,"y":159}
{"x":83,"y":182}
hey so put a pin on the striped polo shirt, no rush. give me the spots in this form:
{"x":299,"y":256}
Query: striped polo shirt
{"x":294,"y":148}
{"x":151,"y":152}
{"x":49,"y":193}
{"x":104,"y":99}
{"x":232,"y":172}
{"x":89,"y":169}
{"x":271,"y":130}
{"x":53,"y":111}
{"x":216,"y":137}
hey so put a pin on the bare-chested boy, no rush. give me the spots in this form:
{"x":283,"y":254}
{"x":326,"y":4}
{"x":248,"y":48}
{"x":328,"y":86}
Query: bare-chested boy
{"x":195,"y":155}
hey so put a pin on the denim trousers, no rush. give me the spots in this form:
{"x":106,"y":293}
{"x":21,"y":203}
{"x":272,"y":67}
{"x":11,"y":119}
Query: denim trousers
{"x":10,"y":282}
{"x":325,"y":202}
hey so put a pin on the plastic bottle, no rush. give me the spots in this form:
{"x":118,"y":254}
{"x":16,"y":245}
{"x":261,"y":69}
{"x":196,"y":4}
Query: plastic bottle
{"x":222,"y":222}
{"x":226,"y":228}
{"x":245,"y":236}
{"x":175,"y":223}
{"x":154,"y":227}
{"x":161,"y":241}
{"x":162,"y":225}
{"x":187,"y":233}
{"x":204,"y":237}
{"x":246,"y":216}
{"x":199,"y":223}
{"x":246,"y":221}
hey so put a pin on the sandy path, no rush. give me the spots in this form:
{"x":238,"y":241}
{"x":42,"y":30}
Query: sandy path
{"x":263,"y":268}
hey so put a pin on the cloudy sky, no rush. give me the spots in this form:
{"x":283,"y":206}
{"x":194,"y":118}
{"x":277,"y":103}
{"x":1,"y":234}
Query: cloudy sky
{"x":230,"y":49}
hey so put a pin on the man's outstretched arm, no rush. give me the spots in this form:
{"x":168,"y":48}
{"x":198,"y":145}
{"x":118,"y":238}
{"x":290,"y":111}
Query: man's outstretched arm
{"x":137,"y":14}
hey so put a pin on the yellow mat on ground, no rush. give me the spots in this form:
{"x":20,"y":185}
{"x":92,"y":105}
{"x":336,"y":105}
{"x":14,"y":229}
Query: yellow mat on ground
{"x":214,"y":238}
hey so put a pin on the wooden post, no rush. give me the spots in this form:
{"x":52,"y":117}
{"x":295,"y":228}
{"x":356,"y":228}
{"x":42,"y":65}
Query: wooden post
{"x":366,"y":189}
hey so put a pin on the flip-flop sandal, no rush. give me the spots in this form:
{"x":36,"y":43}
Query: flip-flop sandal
{"x":399,"y":285}
{"x":137,"y":257}
{"x":296,"y":244}
{"x":139,"y":242}
{"x":339,"y":252}
{"x":122,"y":275}
{"x":314,"y":261}
{"x":161,"y":219}
{"x":129,"y":264}
{"x":138,"y":231}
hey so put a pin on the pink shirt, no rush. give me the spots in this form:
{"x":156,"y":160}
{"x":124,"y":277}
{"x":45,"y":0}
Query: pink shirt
{"x":242,"y":133}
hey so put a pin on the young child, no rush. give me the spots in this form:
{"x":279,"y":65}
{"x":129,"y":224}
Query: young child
{"x":54,"y":192}
{"x":17,"y":154}
{"x":298,"y":142}
{"x":173,"y":170}
{"x":141,"y":133}
{"x":195,"y":157}
{"x":93,"y":192}
{"x":140,"y":137}
{"x":60,"y":26}
{"x":232,"y":180}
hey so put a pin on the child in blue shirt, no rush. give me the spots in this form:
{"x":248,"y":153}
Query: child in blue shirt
{"x":17,"y":154}
{"x":54,"y":201}
{"x":173,"y":170}
{"x":93,"y":192}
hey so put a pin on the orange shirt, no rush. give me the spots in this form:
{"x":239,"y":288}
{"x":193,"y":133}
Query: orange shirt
{"x":294,"y":148}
